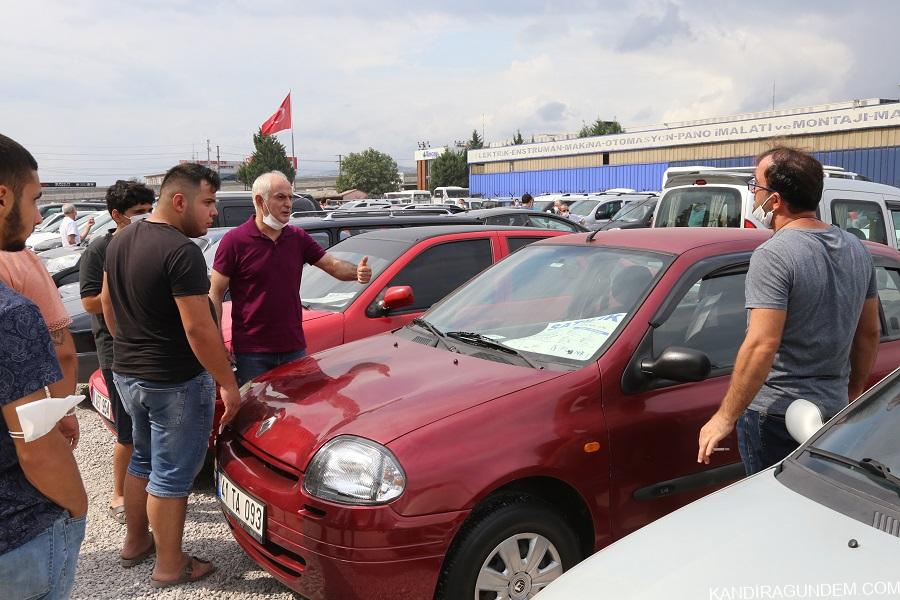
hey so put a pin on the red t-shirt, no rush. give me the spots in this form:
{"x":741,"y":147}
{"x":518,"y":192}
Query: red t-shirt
{"x":265,"y":286}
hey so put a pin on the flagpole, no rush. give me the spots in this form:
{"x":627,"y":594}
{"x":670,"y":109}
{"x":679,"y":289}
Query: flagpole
{"x":293,"y":153}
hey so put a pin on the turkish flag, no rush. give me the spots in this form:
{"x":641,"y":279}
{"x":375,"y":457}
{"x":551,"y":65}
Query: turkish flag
{"x":281,"y":120}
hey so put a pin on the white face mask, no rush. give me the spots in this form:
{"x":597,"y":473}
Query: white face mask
{"x":760,"y":214}
{"x":38,"y":418}
{"x":135,"y":218}
{"x":270,"y":220}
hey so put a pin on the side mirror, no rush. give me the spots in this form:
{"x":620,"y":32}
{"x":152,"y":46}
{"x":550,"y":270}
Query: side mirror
{"x":396,"y":297}
{"x":678,"y":364}
{"x":803,"y":418}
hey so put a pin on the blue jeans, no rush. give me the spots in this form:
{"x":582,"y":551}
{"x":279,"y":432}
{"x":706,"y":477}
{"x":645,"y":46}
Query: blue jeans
{"x":763,"y":440}
{"x":254,"y":364}
{"x":171,"y":424}
{"x":45,"y":566}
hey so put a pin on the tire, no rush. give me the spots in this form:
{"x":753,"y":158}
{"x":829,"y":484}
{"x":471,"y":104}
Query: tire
{"x":513,"y":528}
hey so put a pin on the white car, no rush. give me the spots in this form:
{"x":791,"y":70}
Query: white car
{"x":825,"y":522}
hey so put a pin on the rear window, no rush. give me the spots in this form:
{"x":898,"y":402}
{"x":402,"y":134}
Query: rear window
{"x":700,"y":207}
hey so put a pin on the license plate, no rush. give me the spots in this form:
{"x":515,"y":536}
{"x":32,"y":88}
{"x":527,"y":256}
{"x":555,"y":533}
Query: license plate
{"x":101,"y":403}
{"x":249,"y":512}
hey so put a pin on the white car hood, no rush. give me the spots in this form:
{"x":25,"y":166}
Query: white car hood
{"x":731,"y":544}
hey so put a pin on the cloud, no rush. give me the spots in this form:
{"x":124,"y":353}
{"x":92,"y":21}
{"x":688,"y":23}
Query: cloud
{"x":648,"y":30}
{"x":552,"y":112}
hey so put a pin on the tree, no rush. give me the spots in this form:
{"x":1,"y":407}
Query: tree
{"x":518,"y":139}
{"x":370,"y":171}
{"x":476,"y":142}
{"x":600,"y":127}
{"x":449,"y":168}
{"x":269,"y":155}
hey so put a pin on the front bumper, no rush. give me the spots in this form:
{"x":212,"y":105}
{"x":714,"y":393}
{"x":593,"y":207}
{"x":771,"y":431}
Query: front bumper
{"x":325,"y":550}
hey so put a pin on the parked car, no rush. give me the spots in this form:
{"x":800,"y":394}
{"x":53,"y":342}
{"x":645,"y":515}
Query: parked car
{"x":540,"y":412}
{"x":597,"y":209}
{"x":51,"y":232}
{"x":235,"y":207}
{"x":102,"y":222}
{"x":360,"y":204}
{"x":51,"y":208}
{"x":828,"y":514}
{"x":720,"y":198}
{"x":633,"y":215}
{"x":517,"y":217}
{"x":80,"y":329}
{"x":63,"y":264}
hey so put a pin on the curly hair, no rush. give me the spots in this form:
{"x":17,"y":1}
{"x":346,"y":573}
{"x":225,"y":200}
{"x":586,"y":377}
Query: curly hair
{"x":796,"y":176}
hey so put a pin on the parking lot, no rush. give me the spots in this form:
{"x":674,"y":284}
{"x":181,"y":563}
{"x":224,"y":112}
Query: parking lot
{"x":206,"y":535}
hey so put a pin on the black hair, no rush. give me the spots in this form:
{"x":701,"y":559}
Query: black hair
{"x":122,"y":195}
{"x":796,"y":176}
{"x":191,"y":174}
{"x":526,"y":197}
{"x":16,"y":165}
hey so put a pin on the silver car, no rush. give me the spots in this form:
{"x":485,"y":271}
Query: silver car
{"x":824,"y":523}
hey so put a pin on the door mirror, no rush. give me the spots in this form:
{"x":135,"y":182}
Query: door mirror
{"x":678,"y":364}
{"x":803,"y":418}
{"x":396,"y":297}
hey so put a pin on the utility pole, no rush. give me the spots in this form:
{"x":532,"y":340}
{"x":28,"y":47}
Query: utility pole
{"x":773,"y":95}
{"x":218,"y":161}
{"x":340,"y":165}
{"x":208,"y":150}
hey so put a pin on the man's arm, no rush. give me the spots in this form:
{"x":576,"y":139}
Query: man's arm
{"x":206,"y":342}
{"x":218,"y":285}
{"x":48,"y":462}
{"x":864,"y":349}
{"x":68,"y":363}
{"x":92,"y":304}
{"x":109,"y":317}
{"x":345,"y":271}
{"x":753,"y":363}
{"x":71,"y":238}
{"x":87,"y":228}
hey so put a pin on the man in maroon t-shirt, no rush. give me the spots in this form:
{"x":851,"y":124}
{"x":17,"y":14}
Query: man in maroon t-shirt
{"x":261,"y":262}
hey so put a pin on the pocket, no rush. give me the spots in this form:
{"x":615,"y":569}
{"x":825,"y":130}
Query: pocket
{"x":26,"y":572}
{"x":164,"y":402}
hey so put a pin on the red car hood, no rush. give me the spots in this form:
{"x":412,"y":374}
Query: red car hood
{"x":308,"y":315}
{"x":379,"y":388}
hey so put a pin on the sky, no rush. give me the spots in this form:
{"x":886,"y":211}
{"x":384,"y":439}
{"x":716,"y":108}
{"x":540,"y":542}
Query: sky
{"x":106,"y":90}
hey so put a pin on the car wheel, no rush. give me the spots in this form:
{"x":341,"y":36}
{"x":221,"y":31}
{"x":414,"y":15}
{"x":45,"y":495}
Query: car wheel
{"x":511,"y":550}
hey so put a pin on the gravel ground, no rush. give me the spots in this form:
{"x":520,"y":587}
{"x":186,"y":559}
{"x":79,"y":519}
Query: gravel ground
{"x":206,"y":535}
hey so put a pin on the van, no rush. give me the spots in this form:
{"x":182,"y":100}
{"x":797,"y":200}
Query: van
{"x":719,"y":198}
{"x":409,"y":197}
{"x":595,"y":210}
{"x":447,"y":194}
{"x":236,"y":207}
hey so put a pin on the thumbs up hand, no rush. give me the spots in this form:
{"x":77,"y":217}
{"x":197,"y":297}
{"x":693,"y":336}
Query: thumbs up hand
{"x":363,"y":270}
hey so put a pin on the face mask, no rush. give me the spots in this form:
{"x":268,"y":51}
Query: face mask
{"x":136,"y":218}
{"x":760,"y":214}
{"x":38,"y":418}
{"x":270,"y":220}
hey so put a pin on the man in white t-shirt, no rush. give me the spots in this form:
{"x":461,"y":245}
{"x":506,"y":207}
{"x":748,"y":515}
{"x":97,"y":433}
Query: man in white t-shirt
{"x":68,"y":230}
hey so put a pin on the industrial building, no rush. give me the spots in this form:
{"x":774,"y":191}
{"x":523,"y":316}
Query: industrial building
{"x":862,"y":136}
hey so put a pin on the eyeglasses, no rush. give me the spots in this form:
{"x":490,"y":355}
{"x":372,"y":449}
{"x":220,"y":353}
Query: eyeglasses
{"x":755,"y":187}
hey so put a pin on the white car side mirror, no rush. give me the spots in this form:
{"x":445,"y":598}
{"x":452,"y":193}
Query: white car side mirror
{"x":803,"y":418}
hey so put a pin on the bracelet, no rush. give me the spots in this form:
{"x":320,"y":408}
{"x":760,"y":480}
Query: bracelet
{"x":70,"y":412}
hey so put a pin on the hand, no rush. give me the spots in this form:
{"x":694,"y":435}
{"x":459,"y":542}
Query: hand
{"x":715,"y":430}
{"x":68,"y":426}
{"x":231,"y":398}
{"x":363,"y":271}
{"x":90,"y":221}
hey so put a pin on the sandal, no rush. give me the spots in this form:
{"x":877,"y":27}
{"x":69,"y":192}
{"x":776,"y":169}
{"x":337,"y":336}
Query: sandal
{"x":127,"y":563}
{"x":117,"y":513}
{"x":187,"y":574}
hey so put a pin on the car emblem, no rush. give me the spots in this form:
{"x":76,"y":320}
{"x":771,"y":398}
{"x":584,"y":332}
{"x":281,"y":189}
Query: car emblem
{"x":265,"y":426}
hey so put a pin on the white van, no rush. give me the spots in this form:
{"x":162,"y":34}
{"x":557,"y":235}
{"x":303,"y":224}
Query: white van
{"x":720,"y":198}
{"x":409,"y":197}
{"x":448,"y":194}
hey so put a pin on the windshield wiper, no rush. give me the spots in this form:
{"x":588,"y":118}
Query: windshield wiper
{"x":433,"y":331}
{"x":871,"y":466}
{"x":477,"y":339}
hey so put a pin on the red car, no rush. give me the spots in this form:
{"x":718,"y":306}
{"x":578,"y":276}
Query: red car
{"x":539,"y":413}
{"x":412,"y":268}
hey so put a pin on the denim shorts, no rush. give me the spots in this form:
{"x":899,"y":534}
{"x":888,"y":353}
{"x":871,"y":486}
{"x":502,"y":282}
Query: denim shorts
{"x":763,"y":440}
{"x":171,"y":424}
{"x":254,"y":364}
{"x":120,"y":415}
{"x":44,"y":567}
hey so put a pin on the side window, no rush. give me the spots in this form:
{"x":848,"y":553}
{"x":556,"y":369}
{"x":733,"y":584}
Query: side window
{"x":895,"y":217}
{"x":607,"y":210}
{"x":862,"y":219}
{"x":441,"y":269}
{"x":889,"y":296}
{"x":710,"y":318}
{"x":517,"y":243}
{"x":232,"y":216}
{"x":545,"y":222}
{"x":515,"y":220}
{"x":321,"y":237}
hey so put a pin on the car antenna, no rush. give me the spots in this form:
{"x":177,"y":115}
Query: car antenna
{"x":590,"y":238}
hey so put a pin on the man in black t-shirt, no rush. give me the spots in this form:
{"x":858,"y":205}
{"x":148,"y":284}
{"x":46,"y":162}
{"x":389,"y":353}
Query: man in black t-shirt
{"x":167,"y":351}
{"x":126,"y":201}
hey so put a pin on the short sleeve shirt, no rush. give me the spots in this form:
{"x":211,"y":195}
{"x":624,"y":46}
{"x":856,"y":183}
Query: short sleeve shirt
{"x":90,"y":277}
{"x":24,"y":273}
{"x":27,"y":364}
{"x":148,"y":265}
{"x":821,"y":278}
{"x":67,"y":228}
{"x":265,"y":286}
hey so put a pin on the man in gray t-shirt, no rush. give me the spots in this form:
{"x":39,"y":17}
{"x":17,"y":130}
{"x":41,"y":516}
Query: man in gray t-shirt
{"x":813,"y":324}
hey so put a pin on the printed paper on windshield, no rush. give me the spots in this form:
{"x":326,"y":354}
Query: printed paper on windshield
{"x":578,"y":339}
